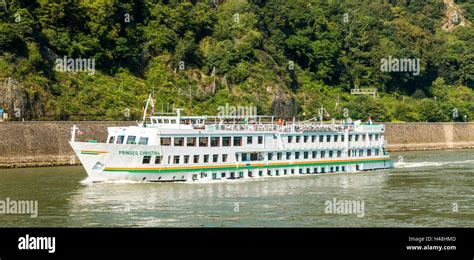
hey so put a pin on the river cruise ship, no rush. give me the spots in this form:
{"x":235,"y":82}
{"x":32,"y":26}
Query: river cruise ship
{"x":199,"y":148}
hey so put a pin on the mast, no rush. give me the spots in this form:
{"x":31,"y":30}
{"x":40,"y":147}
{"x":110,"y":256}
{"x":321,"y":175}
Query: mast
{"x":146,"y":108}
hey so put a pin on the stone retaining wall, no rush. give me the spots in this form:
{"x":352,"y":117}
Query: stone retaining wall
{"x":25,"y":144}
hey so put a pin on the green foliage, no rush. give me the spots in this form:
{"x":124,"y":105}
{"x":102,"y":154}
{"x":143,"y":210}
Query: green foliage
{"x":431,"y":111}
{"x":285,"y":57}
{"x":364,"y":106}
{"x":418,"y":94}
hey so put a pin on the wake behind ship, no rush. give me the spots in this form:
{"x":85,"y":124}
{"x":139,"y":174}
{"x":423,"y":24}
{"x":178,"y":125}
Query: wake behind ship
{"x":190,"y":148}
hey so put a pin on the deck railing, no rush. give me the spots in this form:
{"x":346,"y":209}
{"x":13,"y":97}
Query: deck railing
{"x":289,"y":128}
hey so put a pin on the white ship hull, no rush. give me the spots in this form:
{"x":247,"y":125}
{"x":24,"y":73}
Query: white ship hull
{"x":105,"y":162}
{"x":176,"y":148}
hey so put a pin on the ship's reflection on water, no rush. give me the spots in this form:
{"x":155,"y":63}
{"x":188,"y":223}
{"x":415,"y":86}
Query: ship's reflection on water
{"x":257,"y":202}
{"x":420,"y":192}
{"x":432,"y":189}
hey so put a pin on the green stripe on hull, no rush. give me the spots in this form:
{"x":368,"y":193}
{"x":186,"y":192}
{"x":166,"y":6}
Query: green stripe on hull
{"x":246,"y":167}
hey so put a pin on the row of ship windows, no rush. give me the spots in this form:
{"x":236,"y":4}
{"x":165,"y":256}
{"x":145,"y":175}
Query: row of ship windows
{"x":235,"y":141}
{"x":205,"y":141}
{"x":329,"y":138}
{"x":261,"y":173}
{"x":131,"y":139}
{"x":238,"y":140}
{"x":246,"y":157}
{"x":277,"y":172}
{"x":186,"y":159}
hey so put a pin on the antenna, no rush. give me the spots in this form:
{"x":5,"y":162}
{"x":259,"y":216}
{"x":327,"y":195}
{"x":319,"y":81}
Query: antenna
{"x":146,"y":109}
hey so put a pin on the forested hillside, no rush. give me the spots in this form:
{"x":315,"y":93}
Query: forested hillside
{"x":287,"y":57}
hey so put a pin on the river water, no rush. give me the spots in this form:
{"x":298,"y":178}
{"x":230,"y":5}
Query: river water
{"x":427,"y":189}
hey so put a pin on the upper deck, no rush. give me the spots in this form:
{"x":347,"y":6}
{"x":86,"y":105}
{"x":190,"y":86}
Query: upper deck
{"x":254,"y":124}
{"x":158,"y":130}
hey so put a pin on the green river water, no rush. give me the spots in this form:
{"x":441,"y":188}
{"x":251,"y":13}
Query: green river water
{"x":428,"y":189}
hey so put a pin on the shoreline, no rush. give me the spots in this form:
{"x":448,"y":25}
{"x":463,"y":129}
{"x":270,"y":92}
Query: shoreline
{"x":17,"y":165}
{"x":45,"y":143}
{"x":427,"y":147}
